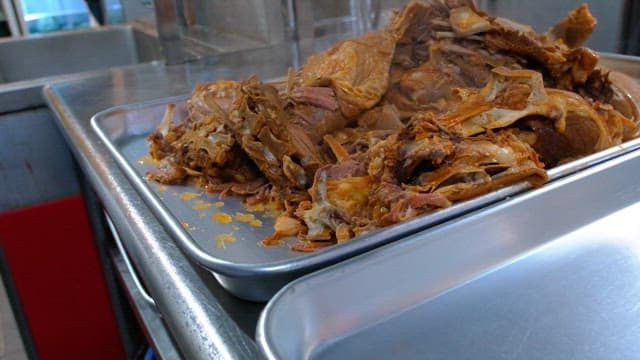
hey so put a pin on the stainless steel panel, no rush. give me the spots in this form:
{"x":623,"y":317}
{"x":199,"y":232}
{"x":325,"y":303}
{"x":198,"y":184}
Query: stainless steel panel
{"x":169,"y":30}
{"x":623,"y":63}
{"x":73,"y":51}
{"x":257,"y":20}
{"x":552,"y":273}
{"x":246,"y":269}
{"x":35,"y":162}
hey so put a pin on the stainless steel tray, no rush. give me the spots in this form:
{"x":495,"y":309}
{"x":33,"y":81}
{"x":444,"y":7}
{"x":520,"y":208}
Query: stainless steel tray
{"x":552,"y":273}
{"x":243,"y":267}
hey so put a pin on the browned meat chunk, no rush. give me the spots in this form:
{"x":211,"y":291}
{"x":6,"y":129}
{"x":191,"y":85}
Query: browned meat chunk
{"x":167,"y":172}
{"x":575,"y":28}
{"x":281,"y":149}
{"x":480,"y":164}
{"x":356,"y":69}
{"x":414,"y":28}
{"x":432,"y":86}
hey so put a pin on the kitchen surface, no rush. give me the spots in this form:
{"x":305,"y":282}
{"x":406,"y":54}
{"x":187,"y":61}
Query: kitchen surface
{"x":99,"y":262}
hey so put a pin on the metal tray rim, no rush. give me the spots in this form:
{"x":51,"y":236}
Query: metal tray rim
{"x":338,"y":252}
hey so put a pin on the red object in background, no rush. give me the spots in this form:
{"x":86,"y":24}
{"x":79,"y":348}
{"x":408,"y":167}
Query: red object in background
{"x":52,"y":257}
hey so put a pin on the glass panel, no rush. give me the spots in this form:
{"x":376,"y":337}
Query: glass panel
{"x":114,"y":11}
{"x":4,"y":23}
{"x":53,"y":15}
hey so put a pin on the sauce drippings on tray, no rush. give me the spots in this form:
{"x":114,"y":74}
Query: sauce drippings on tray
{"x":268,"y":210}
{"x":249,"y":219}
{"x":222,"y":217}
{"x":222,"y":239}
{"x":201,"y":205}
{"x":147,"y":159}
{"x":187,"y":195}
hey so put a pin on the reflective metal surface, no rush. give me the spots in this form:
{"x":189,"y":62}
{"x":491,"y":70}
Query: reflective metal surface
{"x":74,"y":51}
{"x":198,"y":313}
{"x":553,"y":273}
{"x":203,"y":319}
{"x":169,"y":30}
{"x":35,"y":163}
{"x":135,"y":280}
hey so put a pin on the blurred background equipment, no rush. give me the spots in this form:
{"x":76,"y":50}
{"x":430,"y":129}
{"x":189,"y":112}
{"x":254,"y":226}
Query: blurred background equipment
{"x":200,"y":28}
{"x":630,"y":34}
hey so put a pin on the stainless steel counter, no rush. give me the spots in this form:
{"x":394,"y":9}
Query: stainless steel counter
{"x":204,"y":321}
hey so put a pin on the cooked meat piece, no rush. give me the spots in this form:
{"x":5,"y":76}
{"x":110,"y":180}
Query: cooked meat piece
{"x":509,"y":96}
{"x":339,"y":195}
{"x":389,"y":202}
{"x":207,"y":141}
{"x":621,"y":128}
{"x":341,"y":154}
{"x":599,"y":87}
{"x":567,"y":67}
{"x":357,"y":141}
{"x":316,"y":121}
{"x":167,"y":172}
{"x":465,"y":21}
{"x":522,"y":40}
{"x":425,"y":153}
{"x":425,"y":88}
{"x":604,"y":87}
{"x":207,"y":99}
{"x":161,"y":140}
{"x":397,"y":204}
{"x":385,"y":117}
{"x":263,"y":129}
{"x":573,"y":73}
{"x":585,"y":129}
{"x":575,"y":28}
{"x":481,"y":164}
{"x":581,"y":123}
{"x":239,"y":176}
{"x":310,"y":246}
{"x":606,"y":124}
{"x":202,"y":139}
{"x":318,"y":96}
{"x":432,"y":85}
{"x":472,"y":63}
{"x":414,"y":28}
{"x":285,"y":225}
{"x":356,"y":69}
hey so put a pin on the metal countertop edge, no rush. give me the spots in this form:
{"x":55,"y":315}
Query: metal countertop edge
{"x":201,"y":327}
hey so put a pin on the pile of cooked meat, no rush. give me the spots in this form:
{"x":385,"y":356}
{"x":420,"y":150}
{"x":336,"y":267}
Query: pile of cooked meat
{"x":444,"y":104}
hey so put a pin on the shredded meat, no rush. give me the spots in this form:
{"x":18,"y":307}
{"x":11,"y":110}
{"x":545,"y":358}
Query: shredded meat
{"x":575,"y":28}
{"x":444,"y":104}
{"x":356,"y":69}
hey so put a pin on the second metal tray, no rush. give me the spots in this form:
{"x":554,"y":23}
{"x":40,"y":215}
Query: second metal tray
{"x":230,"y":250}
{"x":550,"y":274}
